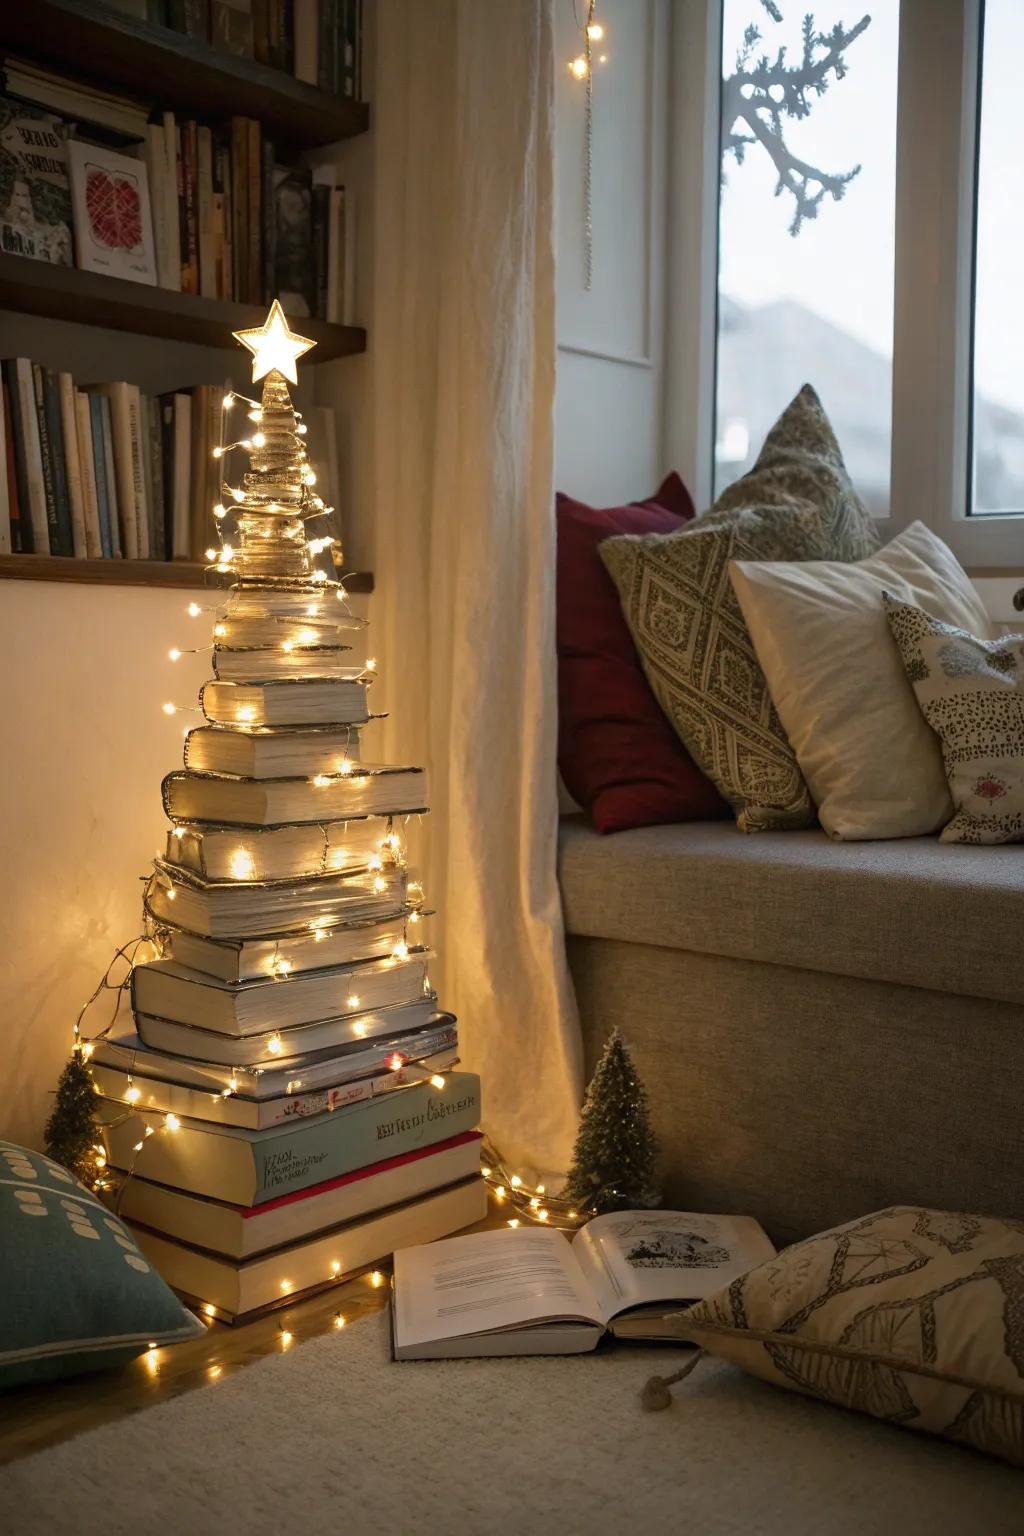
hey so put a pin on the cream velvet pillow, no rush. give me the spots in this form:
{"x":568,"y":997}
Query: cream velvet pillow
{"x":871,"y":762}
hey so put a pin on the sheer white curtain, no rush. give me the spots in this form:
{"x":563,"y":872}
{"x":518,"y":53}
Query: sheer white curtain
{"x":463,"y":369}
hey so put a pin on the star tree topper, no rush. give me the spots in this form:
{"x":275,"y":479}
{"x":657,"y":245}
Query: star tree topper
{"x":274,"y":346}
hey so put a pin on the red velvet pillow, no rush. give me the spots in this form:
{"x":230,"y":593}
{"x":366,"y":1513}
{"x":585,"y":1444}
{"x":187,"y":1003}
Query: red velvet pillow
{"x":619,"y":756}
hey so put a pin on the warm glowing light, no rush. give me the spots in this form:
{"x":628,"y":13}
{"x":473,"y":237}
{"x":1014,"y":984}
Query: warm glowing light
{"x":245,"y":712}
{"x":233,"y":1083}
{"x":540,"y":1189}
{"x":174,"y":654}
{"x":150,"y":1131}
{"x":395,"y":1061}
{"x":499,"y":1192}
{"x":572,"y":1215}
{"x":211,"y":554}
{"x":220,"y":630}
{"x":371,"y":664}
{"x":194,"y":610}
{"x":335,"y":1266}
{"x":437,"y":1081}
{"x":308,"y":637}
{"x":515,"y":1181}
{"x":359,"y":1029}
{"x":137,"y":1147}
{"x":320,"y":780}
{"x":375,"y":861}
{"x":214,"y":1370}
{"x":87,"y":1049}
{"x":376,"y":1279}
{"x":172,"y":894}
{"x":286,"y":1285}
{"x":228,"y":401}
{"x":578,"y":67}
{"x":179,"y":832}
{"x":275,"y":1045}
{"x":380,"y":884}
{"x":282,"y":967}
{"x":513,"y":1221}
{"x":595,"y":31}
{"x":339,"y":1321}
{"x":258,"y":440}
{"x":172,"y":1123}
{"x":237,"y":495}
{"x":534,"y":1203}
{"x":169,"y":709}
{"x":286,"y":645}
{"x":243,"y":865}
{"x":209,"y":1308}
{"x":353,"y":1000}
{"x":400,"y":951}
{"x":220,"y":510}
{"x":345,"y":766}
{"x":286,"y":1338}
{"x":485,"y":1172}
{"x":274,"y":346}
{"x":152,"y":1358}
{"x":133,"y":1095}
{"x":218,"y":453}
{"x":542,"y":1215}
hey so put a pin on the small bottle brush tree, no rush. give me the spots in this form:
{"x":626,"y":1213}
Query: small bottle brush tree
{"x":613,"y":1162}
{"x":71,"y":1132}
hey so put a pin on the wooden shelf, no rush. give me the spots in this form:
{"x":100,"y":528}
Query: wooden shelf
{"x":91,"y":298}
{"x":156,"y":64}
{"x":131,"y":573}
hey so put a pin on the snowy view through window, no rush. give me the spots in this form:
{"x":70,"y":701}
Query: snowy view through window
{"x":806,"y":239}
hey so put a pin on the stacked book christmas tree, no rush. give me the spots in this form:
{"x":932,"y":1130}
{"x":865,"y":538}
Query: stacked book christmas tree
{"x":285,"y":1109}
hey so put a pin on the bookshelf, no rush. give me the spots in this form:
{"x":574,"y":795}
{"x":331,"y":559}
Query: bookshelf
{"x":91,"y":298}
{"x":93,"y":42}
{"x":133,"y":573}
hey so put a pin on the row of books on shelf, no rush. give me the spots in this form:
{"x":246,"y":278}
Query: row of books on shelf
{"x":190,"y":207}
{"x":319,"y":41}
{"x":103,"y":471}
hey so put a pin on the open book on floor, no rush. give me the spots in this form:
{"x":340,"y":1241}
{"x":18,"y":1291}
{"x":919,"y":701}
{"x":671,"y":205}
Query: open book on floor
{"x":533,"y":1291}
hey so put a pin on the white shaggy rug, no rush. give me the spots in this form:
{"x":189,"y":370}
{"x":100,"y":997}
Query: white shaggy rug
{"x":332,"y":1437}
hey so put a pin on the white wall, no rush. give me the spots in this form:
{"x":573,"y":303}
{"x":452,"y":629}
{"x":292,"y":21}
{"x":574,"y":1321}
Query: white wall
{"x":608,"y":409}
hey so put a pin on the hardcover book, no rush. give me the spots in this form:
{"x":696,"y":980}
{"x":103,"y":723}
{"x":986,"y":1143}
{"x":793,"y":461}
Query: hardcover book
{"x":251,"y":1167}
{"x":417,"y":1029}
{"x":219,"y":911}
{"x":534,"y":1291}
{"x":239,"y":1232}
{"x":295,"y":701}
{"x":316,"y":943}
{"x":369,"y":790}
{"x":113,"y":221}
{"x":268,"y":752}
{"x":238,"y":1290}
{"x":258,"y":664}
{"x":278,"y":1002}
{"x":35,"y":200}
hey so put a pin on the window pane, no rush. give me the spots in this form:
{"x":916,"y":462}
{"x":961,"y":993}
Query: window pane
{"x":806,"y":231}
{"x":998,"y":308}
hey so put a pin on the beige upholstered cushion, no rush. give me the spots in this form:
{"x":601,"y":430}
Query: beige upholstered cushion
{"x":972,"y":695}
{"x":911,"y":1315}
{"x":872,"y":764}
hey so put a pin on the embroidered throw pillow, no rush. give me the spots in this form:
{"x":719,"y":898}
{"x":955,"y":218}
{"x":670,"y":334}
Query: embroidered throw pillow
{"x":913,"y":1316}
{"x":971,"y":692}
{"x":618,"y":755}
{"x":872,"y":765}
{"x":77,"y":1293}
{"x":699,"y":660}
{"x":800,"y":465}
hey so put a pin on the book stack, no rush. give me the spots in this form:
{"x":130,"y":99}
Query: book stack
{"x":319,"y":41}
{"x":212,"y":211}
{"x":102,"y":471}
{"x":284,"y":1107}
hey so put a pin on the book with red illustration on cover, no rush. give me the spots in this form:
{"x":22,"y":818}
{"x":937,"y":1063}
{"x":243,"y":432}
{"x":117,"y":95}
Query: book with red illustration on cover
{"x":113,"y":222}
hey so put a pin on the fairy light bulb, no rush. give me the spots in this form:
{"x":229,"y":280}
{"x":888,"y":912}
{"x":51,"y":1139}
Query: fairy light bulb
{"x":228,"y":401}
{"x":339,"y":1321}
{"x":320,"y":780}
{"x":395,"y":1062}
{"x":308,"y":637}
{"x":513,"y":1221}
{"x":380,"y":885}
{"x":274,"y":1045}
{"x":220,"y":630}
{"x":258,"y":440}
{"x":174,"y":654}
{"x":209,"y":1308}
{"x":283,"y":967}
{"x":595,"y":31}
{"x":218,"y":453}
{"x":169,"y":709}
{"x":371,"y":664}
{"x":233,"y":1084}
{"x":376,"y":1279}
{"x":172,"y":1123}
{"x":286,"y":645}
{"x":515,"y":1181}
{"x":220,"y":510}
{"x":437,"y":1081}
{"x":194,"y":610}
{"x":211,"y":554}
{"x":302,"y":429}
{"x":237,"y":495}
{"x":400,"y":951}
{"x":353,"y":1000}
{"x":133,"y":1095}
{"x":345,"y":766}
{"x":243,"y":865}
{"x":245,"y":712}
{"x":359,"y":1029}
{"x":335,"y":1266}
{"x":578,"y":67}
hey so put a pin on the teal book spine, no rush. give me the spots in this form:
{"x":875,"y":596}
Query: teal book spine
{"x":386,"y":1126}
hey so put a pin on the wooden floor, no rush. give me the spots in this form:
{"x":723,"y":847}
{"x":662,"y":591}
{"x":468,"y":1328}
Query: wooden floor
{"x":32,"y":1418}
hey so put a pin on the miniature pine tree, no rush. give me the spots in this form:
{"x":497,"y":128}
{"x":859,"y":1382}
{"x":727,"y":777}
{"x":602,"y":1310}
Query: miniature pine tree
{"x":613,"y":1161}
{"x":71,"y":1134}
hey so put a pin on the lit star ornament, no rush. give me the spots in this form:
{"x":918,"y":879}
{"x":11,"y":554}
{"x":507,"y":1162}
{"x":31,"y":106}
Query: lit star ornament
{"x":274,"y":346}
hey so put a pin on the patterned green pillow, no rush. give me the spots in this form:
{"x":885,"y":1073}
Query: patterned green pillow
{"x":77,"y":1293}
{"x":800,"y":466}
{"x":971,"y":692}
{"x":697,"y":654}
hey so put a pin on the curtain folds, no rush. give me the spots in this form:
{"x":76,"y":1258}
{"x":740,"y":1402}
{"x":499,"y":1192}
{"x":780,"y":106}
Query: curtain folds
{"x":463,"y":378}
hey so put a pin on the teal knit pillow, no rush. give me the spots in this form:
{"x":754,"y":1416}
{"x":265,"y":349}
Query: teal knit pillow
{"x":77,"y":1295}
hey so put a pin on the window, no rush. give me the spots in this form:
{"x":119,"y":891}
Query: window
{"x":807,"y":227}
{"x":998,"y":349}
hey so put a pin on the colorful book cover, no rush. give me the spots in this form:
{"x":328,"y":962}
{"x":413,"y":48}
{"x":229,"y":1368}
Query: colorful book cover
{"x":113,"y":221}
{"x":35,"y":200}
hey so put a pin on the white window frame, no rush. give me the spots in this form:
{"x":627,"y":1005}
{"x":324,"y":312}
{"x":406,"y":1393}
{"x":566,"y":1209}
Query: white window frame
{"x":933,"y":277}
